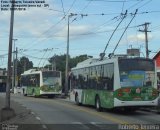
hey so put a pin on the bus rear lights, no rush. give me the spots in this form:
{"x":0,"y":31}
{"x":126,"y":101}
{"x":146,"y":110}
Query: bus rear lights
{"x":120,"y":94}
{"x":154,"y":94}
{"x":127,"y":90}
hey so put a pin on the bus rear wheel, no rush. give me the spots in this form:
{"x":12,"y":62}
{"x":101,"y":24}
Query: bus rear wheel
{"x":98,"y":104}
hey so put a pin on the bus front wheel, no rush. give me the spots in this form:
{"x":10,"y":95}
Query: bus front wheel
{"x":98,"y":104}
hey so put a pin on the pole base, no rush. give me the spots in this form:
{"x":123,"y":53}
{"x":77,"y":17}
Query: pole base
{"x":6,"y":114}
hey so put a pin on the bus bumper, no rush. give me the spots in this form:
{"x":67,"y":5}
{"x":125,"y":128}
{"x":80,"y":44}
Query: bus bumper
{"x":120,"y":103}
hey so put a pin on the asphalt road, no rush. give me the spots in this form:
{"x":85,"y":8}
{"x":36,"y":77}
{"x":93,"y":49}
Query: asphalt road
{"x":61,"y":114}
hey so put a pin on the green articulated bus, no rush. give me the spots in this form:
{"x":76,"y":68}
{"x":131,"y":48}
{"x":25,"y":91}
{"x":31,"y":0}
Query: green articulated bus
{"x":119,"y":82}
{"x":41,"y":83}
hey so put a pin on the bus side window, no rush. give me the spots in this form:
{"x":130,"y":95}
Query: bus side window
{"x":108,"y":77}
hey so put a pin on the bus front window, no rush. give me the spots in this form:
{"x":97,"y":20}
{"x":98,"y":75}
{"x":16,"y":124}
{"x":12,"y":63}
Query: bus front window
{"x":136,"y":72}
{"x":50,"y":78}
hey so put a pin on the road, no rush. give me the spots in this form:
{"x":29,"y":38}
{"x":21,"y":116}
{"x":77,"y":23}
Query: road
{"x":57,"y":114}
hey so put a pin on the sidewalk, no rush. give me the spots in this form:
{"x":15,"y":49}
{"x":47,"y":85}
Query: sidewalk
{"x":24,"y":119}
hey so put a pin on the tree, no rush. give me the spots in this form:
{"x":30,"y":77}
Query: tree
{"x":60,"y":62}
{"x":74,"y":61}
{"x":23,"y":64}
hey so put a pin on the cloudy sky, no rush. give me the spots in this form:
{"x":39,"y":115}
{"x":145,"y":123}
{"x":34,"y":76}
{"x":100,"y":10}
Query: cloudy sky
{"x":41,"y":32}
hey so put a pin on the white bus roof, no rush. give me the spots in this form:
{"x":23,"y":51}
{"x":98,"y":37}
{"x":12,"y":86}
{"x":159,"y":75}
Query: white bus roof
{"x":31,"y":71}
{"x":35,"y":71}
{"x":97,"y":61}
{"x":93,"y":61}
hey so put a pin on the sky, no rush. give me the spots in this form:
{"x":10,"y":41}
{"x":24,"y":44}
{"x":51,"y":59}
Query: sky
{"x":41,"y":32}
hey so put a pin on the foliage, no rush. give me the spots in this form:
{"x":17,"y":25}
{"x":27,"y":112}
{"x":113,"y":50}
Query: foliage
{"x":23,"y":64}
{"x":60,"y":62}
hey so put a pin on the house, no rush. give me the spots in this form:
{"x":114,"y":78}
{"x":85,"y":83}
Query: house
{"x":157,"y":59}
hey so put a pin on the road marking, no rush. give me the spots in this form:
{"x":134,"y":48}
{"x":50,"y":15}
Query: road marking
{"x":80,"y":124}
{"x":95,"y":123}
{"x":76,"y":123}
{"x":32,"y":113}
{"x":38,"y":118}
{"x":100,"y":125}
{"x":44,"y":126}
{"x":106,"y":116}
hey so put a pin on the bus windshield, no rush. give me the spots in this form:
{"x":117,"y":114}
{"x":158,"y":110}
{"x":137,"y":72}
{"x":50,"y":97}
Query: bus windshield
{"x":136,"y":72}
{"x":50,"y":78}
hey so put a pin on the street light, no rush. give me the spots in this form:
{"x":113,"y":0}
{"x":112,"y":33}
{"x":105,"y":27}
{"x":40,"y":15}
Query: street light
{"x":67,"y":57}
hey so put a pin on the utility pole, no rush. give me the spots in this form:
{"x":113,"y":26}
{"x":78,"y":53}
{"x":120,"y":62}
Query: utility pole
{"x":146,"y":37}
{"x":16,"y":81}
{"x":53,"y":65}
{"x":67,"y":57}
{"x":13,"y":67}
{"x":8,"y":112}
{"x":24,"y":67}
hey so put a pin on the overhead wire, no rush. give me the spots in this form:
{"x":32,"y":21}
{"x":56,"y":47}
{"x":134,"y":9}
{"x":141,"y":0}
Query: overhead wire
{"x":57,"y":22}
{"x":123,"y":17}
{"x":63,"y":7}
{"x":124,"y":31}
{"x":135,"y":4}
{"x":49,"y":54}
{"x":34,"y":57}
{"x":145,"y":4}
{"x":123,"y":6}
{"x":84,"y":34}
{"x":115,"y":13}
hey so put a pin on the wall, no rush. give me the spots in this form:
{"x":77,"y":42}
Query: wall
{"x":158,"y":61}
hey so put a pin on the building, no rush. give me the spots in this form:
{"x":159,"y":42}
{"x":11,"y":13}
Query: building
{"x":157,"y":59}
{"x":3,"y":80}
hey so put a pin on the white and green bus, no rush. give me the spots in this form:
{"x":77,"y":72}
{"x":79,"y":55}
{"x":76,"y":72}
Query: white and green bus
{"x":41,"y":83}
{"x":125,"y":83}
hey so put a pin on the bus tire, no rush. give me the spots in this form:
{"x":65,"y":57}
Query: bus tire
{"x":98,"y":104}
{"x":77,"y":100}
